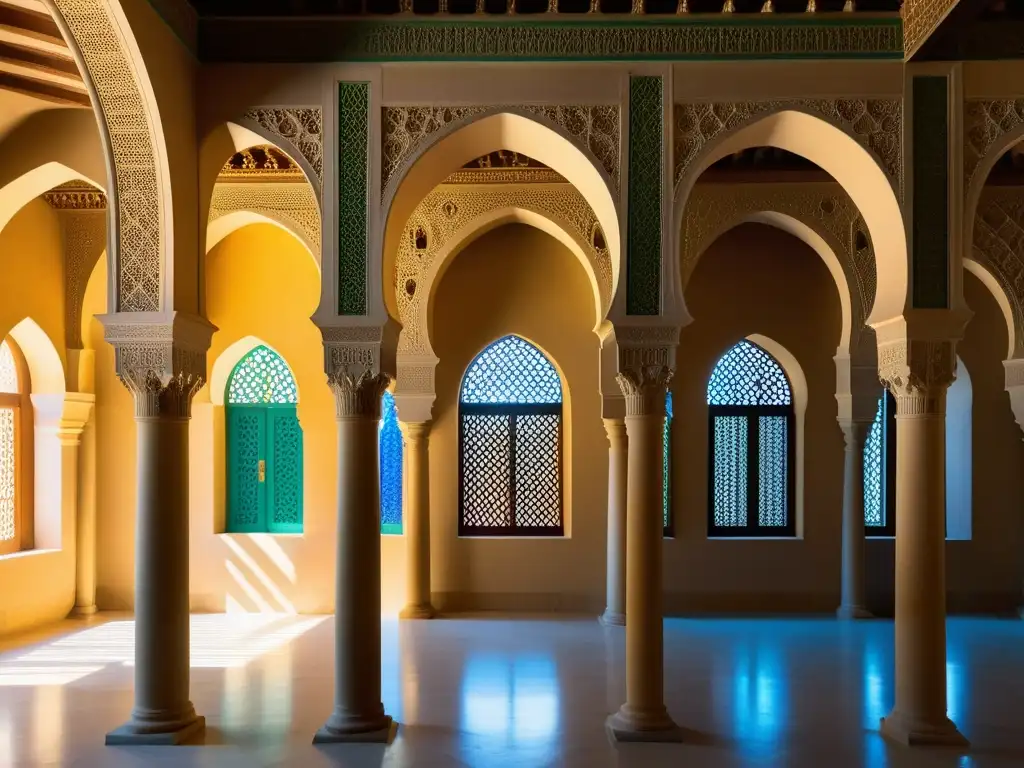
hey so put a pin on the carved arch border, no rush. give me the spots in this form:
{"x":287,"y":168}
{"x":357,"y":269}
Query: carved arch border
{"x":296,"y":131}
{"x":140,"y":217}
{"x":998,"y":249}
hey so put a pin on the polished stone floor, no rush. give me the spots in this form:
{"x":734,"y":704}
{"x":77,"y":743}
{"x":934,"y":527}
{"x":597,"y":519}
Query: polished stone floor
{"x":523,"y":693}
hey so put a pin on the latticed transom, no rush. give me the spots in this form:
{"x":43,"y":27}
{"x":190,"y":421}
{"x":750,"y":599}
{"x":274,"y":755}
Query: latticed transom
{"x":511,"y":370}
{"x":262,"y":378}
{"x":390,"y":447}
{"x":747,"y":375}
{"x":874,"y":509}
{"x":8,"y":370}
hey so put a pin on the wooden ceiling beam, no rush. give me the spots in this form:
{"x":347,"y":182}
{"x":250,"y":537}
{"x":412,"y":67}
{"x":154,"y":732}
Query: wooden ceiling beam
{"x":49,"y":92}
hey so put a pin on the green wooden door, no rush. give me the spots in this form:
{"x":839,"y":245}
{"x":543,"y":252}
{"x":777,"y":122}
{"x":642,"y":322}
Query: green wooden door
{"x":264,"y":446}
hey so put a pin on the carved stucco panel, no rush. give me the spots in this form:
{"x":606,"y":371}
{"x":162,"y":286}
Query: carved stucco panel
{"x":448,"y":208}
{"x":986,"y":121}
{"x":85,"y":239}
{"x":406,"y":129}
{"x":303,"y":127}
{"x":291,"y":204}
{"x":877,"y":124}
{"x":999,"y":247}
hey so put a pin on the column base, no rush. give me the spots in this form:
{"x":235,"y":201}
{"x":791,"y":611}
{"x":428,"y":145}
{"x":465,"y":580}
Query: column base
{"x":629,"y":725}
{"x":83,"y":610}
{"x":379,"y":732}
{"x":612,"y":618}
{"x":916,"y":733}
{"x":418,"y":611}
{"x":143,"y":734}
{"x":847,"y":612}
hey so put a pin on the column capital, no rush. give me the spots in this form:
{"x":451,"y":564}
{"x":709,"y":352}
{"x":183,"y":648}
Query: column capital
{"x":855,"y":432}
{"x":415,"y":430}
{"x":918,"y":373}
{"x":357,"y":359}
{"x":161,"y":358}
{"x":646,"y":363}
{"x":615,"y":429}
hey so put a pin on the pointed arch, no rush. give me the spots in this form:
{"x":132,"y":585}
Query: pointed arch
{"x":461,"y":142}
{"x":19,"y":192}
{"x":222,"y":226}
{"x":1001,"y":295}
{"x":854,"y":167}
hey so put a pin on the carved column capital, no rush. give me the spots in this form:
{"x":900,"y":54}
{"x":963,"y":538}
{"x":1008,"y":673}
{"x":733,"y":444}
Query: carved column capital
{"x":160,"y":358}
{"x":646,"y":365}
{"x":353,"y":362}
{"x":415,"y":431}
{"x":615,"y":429}
{"x":918,"y":373}
{"x":855,"y":433}
{"x":357,"y":395}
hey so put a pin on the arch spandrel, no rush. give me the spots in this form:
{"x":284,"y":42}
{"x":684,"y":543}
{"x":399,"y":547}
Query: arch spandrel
{"x":998,"y":256}
{"x":863,"y":155}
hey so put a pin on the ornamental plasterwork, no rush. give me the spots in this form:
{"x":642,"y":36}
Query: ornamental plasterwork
{"x":823,"y":206}
{"x":85,"y":238}
{"x":918,"y":373}
{"x":448,"y":209}
{"x":877,"y":124}
{"x":303,"y":127}
{"x":292,"y":205}
{"x":76,"y":196}
{"x":986,"y":121}
{"x":124,"y":111}
{"x":406,"y":129}
{"x":920,"y":18}
{"x":999,"y":247}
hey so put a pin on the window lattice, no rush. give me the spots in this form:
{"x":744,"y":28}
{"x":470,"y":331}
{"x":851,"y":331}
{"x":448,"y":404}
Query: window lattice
{"x":666,"y":463}
{"x":262,"y":378}
{"x":772,"y":501}
{"x":748,"y":375}
{"x":8,"y":370}
{"x":510,"y":443}
{"x":511,"y":370}
{"x":730,"y":473}
{"x":390,"y":446}
{"x":874,"y":509}
{"x":8,"y":475}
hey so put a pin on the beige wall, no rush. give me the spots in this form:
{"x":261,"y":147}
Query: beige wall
{"x":38,"y":585}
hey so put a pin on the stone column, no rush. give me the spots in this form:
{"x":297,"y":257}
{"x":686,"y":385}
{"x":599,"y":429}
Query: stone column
{"x":78,"y":448}
{"x":358,"y":711}
{"x":416,"y":519}
{"x":918,"y":373}
{"x":852,"y":590}
{"x":643,"y":717}
{"x":615,"y":605}
{"x":163,"y":374}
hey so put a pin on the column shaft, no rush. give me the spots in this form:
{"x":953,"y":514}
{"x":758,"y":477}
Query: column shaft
{"x":615,"y":606}
{"x":417,"y":521}
{"x":852,"y":589}
{"x":85,"y":548}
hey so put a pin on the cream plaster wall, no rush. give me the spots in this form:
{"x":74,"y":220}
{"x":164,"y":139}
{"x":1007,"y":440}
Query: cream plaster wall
{"x":38,"y":585}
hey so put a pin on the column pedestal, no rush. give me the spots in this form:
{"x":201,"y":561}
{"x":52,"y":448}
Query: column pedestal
{"x":643,"y":717}
{"x":358,"y":714}
{"x":615,"y":605}
{"x":852,"y":589}
{"x":417,"y":521}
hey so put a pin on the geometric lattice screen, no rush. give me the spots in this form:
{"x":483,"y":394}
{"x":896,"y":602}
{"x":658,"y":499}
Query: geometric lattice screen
{"x":510,"y":441}
{"x":752,"y":445}
{"x":10,"y":400}
{"x":264,"y":446}
{"x":874,"y":498}
{"x":390,"y":447}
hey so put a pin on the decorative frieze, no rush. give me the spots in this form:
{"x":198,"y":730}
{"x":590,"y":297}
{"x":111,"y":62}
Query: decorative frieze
{"x":76,"y":196}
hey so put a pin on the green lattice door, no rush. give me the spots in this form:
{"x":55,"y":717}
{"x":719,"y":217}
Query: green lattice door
{"x":264,"y":447}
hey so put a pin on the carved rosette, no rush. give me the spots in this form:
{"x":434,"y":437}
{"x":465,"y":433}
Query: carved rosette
{"x":352,"y":361}
{"x":646,"y":366}
{"x":163,"y":365}
{"x":918,"y":373}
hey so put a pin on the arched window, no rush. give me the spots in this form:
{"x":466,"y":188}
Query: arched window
{"x":13,"y":388}
{"x":880,"y":463}
{"x":390,"y":446}
{"x":752,"y":445}
{"x":264,"y":446}
{"x":510,"y":443}
{"x":666,"y":462}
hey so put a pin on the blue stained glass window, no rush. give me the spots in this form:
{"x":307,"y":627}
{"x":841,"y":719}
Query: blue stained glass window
{"x":752,"y":445}
{"x":511,"y":370}
{"x":390,"y":441}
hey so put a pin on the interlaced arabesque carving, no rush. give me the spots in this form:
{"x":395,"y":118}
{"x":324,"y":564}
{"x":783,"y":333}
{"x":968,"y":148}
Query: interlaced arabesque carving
{"x":85,"y":239}
{"x":920,"y":17}
{"x":302,"y":126}
{"x":446,"y":210}
{"x":124,"y":112}
{"x":985,"y":122}
{"x":747,"y":375}
{"x":406,"y":129}
{"x":292,"y":205}
{"x":824,"y":207}
{"x":877,"y":124}
{"x":999,"y":247}
{"x":511,"y":370}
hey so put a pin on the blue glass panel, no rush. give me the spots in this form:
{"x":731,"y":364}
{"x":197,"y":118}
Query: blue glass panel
{"x":390,"y":467}
{"x":666,"y":462}
{"x":747,"y":375}
{"x":511,"y":370}
{"x":874,"y":509}
{"x":730,"y":471}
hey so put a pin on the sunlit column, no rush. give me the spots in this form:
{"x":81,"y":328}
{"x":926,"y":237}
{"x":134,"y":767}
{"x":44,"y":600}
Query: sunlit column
{"x":919,"y":386}
{"x":852,"y":588}
{"x":358,"y":711}
{"x":162,"y":713}
{"x":643,"y":717}
{"x":85,"y":529}
{"x":416,"y":519}
{"x":615,"y":605}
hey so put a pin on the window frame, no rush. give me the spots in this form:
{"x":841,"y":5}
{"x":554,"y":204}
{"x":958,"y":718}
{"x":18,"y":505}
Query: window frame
{"x":753,"y":413}
{"x":21,"y":404}
{"x":511,"y":410}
